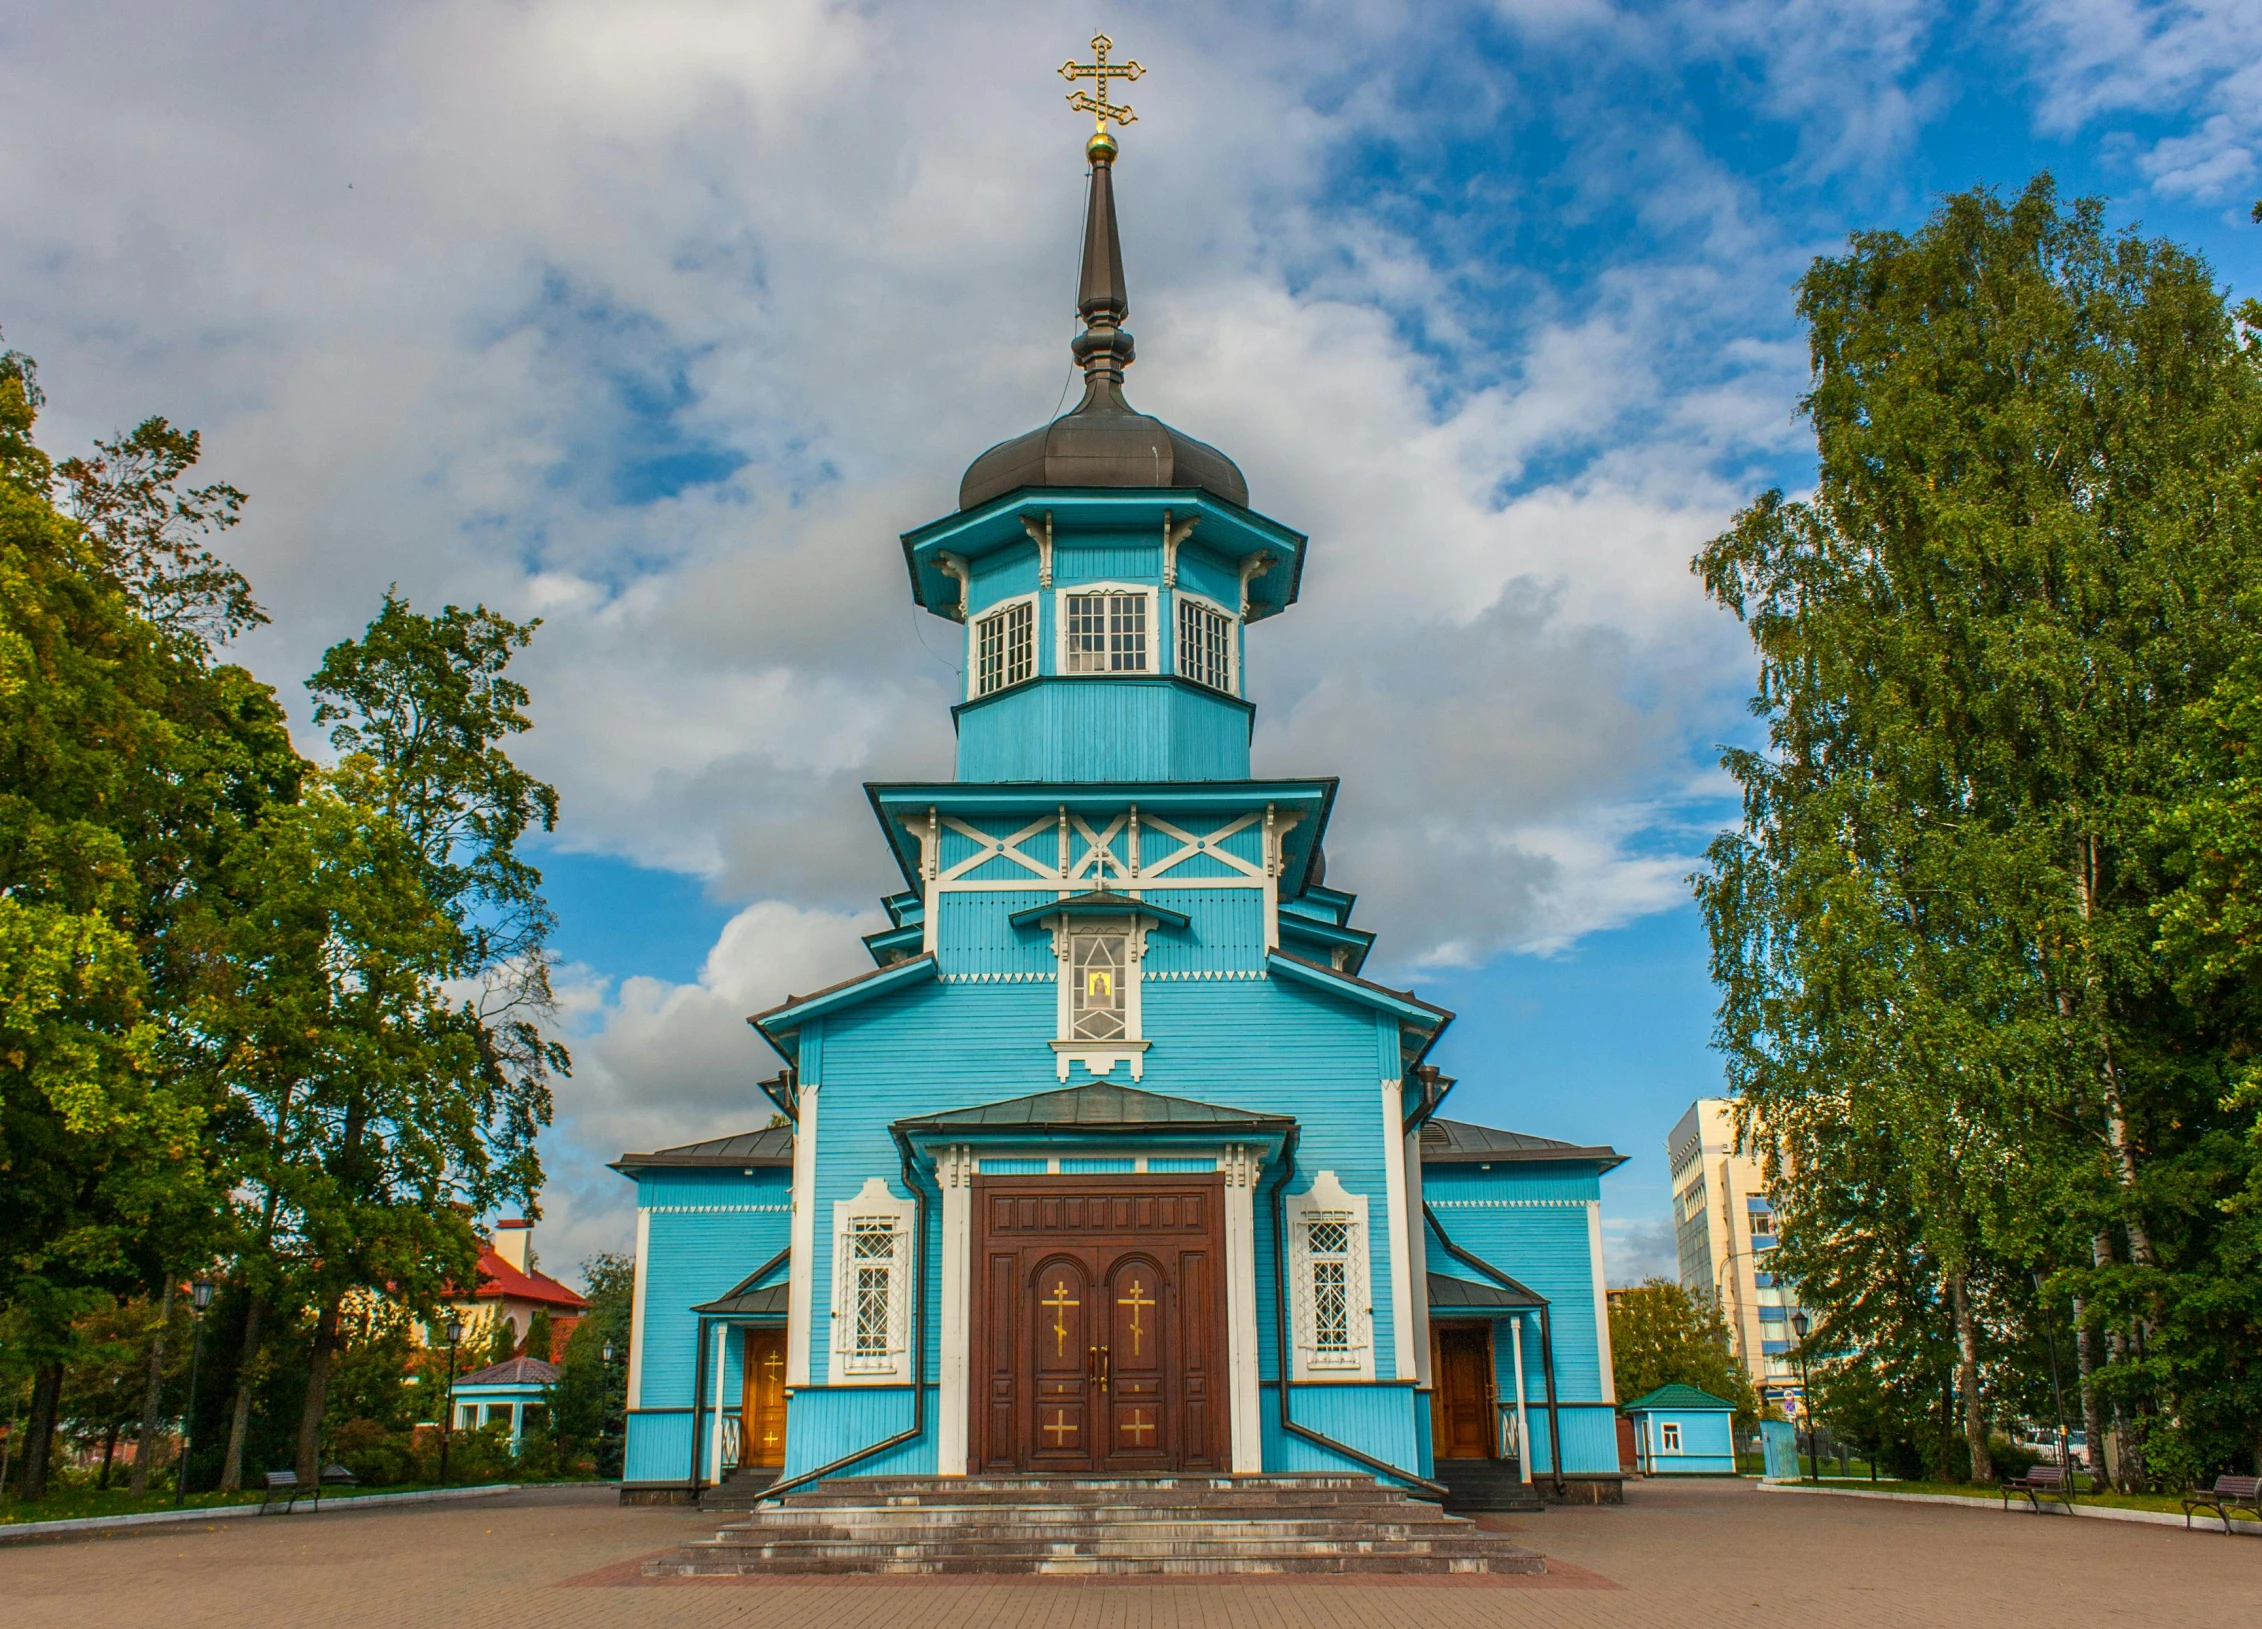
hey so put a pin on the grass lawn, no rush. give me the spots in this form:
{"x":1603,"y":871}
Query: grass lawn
{"x":76,"y":1504}
{"x":2171,"y":1503}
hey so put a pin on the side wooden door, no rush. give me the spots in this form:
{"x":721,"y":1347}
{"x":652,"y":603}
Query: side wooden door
{"x":1464,"y":1393}
{"x":762,"y":1417}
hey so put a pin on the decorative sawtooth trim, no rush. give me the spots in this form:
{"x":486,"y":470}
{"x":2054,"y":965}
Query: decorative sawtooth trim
{"x":1213,"y":973}
{"x":714,"y":1210}
{"x":1508,"y":1204}
{"x":1046,"y":977}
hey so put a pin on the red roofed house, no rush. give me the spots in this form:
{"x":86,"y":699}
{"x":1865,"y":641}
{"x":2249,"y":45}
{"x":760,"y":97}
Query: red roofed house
{"x":510,"y":1287}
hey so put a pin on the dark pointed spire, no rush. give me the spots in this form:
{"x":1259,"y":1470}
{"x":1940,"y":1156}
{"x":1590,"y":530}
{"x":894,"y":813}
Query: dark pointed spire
{"x":1104,"y":347}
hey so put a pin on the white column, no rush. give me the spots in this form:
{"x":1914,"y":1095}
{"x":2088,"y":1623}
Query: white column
{"x":954,"y":1173}
{"x":1523,"y":1420}
{"x":1242,"y":1396}
{"x":1394,"y":1187}
{"x":799,"y":1297}
{"x":1417,"y":1257}
{"x":636,"y":1308}
{"x":1601,"y":1300}
{"x":715,"y":1395}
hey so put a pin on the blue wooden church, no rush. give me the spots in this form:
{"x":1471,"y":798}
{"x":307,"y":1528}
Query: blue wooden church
{"x":1114,"y":1164}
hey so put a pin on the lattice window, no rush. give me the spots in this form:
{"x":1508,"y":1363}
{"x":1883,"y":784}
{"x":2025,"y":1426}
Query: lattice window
{"x":1106,"y":633}
{"x":1005,"y":647}
{"x":1205,"y":645}
{"x":1332,"y":1295}
{"x":869,"y":1325}
{"x":1096,"y":1009}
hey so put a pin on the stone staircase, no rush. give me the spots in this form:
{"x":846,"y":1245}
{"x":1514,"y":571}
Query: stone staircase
{"x":1486,"y":1484}
{"x":741,"y":1490}
{"x":1148,"y":1525}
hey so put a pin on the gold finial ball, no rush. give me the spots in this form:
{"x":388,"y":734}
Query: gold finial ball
{"x":1101,"y":148}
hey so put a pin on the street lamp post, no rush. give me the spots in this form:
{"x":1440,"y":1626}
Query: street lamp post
{"x":1806,"y":1400}
{"x":2057,"y":1391}
{"x":200,"y":1297}
{"x":454,"y":1332}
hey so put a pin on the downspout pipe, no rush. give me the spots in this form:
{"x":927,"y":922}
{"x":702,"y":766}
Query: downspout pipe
{"x":918,"y":1426}
{"x":1281,"y":1292}
{"x":1469,"y":1258}
{"x":698,"y":1400}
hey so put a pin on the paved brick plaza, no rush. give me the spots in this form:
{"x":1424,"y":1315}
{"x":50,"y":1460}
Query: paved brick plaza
{"x":1677,"y":1557}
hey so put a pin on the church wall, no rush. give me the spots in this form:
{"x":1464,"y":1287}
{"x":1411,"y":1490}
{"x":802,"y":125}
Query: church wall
{"x":1104,"y":728}
{"x":1531,"y":1220}
{"x":705,"y":1230}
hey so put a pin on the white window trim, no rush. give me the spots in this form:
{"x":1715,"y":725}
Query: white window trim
{"x":874,"y":1202}
{"x":974,"y":691}
{"x":1146,"y":591}
{"x":1099,"y":1057}
{"x":1232,"y":641}
{"x":1669,"y":1437}
{"x":1326,"y":1200}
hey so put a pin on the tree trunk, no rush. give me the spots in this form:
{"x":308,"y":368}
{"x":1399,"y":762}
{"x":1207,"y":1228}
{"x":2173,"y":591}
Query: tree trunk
{"x":317,"y":1392}
{"x":2117,"y":1138}
{"x":1967,"y":1381}
{"x":2092,"y":1411}
{"x":39,"y":1432}
{"x":239,"y":1421}
{"x":109,"y":1456}
{"x":145,"y":1446}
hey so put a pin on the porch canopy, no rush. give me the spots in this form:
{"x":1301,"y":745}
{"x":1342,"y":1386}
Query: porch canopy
{"x":1097,"y":1119}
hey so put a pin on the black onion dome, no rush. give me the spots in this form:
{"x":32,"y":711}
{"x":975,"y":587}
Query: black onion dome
{"x":1102,"y":441}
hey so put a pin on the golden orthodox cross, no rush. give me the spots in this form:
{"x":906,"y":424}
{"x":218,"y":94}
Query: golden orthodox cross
{"x":1138,"y":1428}
{"x":1135,"y":1300}
{"x":1060,"y":1303}
{"x":1060,"y":1427}
{"x":1099,"y":72}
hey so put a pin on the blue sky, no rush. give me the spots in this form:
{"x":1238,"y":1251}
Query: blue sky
{"x":662,"y":322}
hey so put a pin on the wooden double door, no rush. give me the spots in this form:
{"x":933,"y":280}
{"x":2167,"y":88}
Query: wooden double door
{"x":1099,"y":1325}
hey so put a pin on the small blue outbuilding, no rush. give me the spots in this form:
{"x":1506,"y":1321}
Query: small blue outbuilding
{"x":1681,"y":1431}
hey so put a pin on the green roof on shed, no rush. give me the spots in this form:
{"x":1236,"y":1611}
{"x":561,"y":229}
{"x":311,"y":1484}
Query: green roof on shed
{"x":1676,"y":1395}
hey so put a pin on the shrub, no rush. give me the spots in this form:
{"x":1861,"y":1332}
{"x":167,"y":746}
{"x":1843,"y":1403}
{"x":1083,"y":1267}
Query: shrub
{"x":377,"y":1457}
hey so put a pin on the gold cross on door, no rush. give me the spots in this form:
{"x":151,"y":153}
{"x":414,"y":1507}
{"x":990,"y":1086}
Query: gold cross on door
{"x":1136,"y":1300}
{"x":1060,"y":1301}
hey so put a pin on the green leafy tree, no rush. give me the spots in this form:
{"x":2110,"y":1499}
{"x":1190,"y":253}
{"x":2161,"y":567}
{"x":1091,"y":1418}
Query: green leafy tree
{"x":502,"y":1339}
{"x":538,"y":1337}
{"x":589,"y":1403}
{"x":1661,"y":1335}
{"x":1981,"y":645}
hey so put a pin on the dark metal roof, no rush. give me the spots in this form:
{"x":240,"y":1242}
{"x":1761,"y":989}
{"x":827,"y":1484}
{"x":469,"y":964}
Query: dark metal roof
{"x":1450,"y":1294}
{"x":772,"y":1145}
{"x":1104,"y":902}
{"x":742,"y":1302}
{"x":1675,"y":1395}
{"x":1102,"y":441}
{"x":1098,"y":1107}
{"x":1456,"y":1142}
{"x":517,"y":1371}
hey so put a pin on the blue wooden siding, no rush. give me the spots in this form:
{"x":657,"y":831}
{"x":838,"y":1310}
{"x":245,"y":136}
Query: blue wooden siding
{"x":706,"y":1232}
{"x":1708,"y":1444}
{"x":822,"y":1423}
{"x":659,"y":1447}
{"x":1109,"y":729}
{"x":1377,"y":1420}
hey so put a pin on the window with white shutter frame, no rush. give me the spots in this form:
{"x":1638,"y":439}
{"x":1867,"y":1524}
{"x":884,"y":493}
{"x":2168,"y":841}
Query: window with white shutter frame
{"x":1331,"y":1291}
{"x":1205,"y":644}
{"x":1107,"y":630}
{"x":871,"y":1302}
{"x":1005,"y":647}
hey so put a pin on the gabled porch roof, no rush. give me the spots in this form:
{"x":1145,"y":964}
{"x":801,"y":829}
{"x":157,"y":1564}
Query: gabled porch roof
{"x":1100,"y":1106}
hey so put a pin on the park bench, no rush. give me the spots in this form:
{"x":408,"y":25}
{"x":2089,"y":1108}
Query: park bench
{"x":285,"y":1485}
{"x":2228,"y":1494}
{"x":2043,"y":1482}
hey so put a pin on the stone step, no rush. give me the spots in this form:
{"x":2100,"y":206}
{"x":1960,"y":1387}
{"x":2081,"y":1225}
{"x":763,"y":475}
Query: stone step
{"x":1171,"y":1566}
{"x":1178,"y":1525}
{"x":1193,"y":1530}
